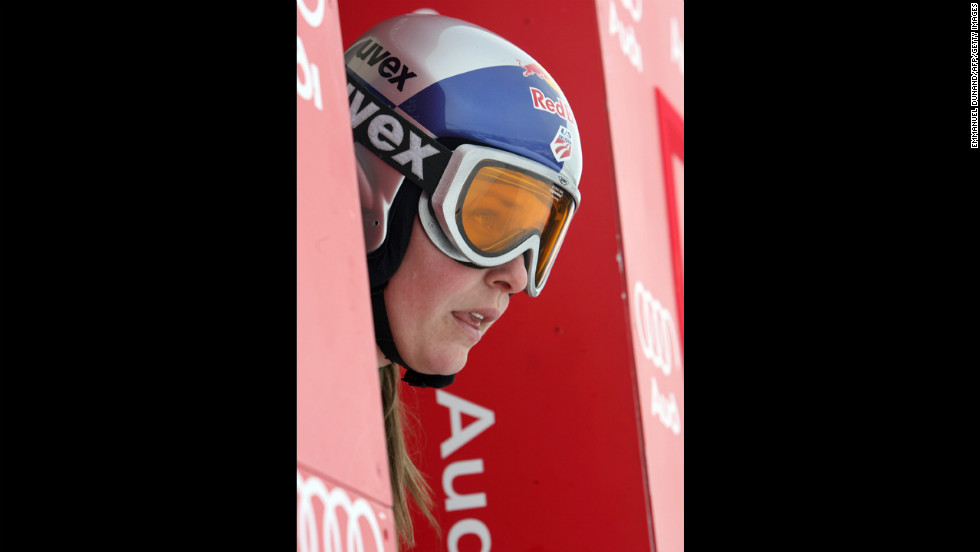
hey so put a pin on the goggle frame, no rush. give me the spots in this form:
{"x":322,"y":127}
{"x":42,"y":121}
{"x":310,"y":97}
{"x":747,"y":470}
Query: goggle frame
{"x":438,"y":212}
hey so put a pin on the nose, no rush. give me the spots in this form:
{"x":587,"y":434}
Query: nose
{"x":510,"y":277}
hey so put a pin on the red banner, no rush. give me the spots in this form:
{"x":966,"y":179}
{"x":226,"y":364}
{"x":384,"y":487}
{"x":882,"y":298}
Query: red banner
{"x":643,"y":60}
{"x":342,"y":486}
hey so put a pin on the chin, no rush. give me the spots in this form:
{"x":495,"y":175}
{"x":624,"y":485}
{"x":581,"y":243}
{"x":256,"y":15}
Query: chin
{"x":443,"y":366}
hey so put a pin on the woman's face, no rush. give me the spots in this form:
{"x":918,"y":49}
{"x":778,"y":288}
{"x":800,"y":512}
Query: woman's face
{"x":439,"y":308}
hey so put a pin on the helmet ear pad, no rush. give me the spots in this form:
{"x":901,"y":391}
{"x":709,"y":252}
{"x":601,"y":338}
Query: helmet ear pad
{"x":384,"y":261}
{"x":378,"y":184}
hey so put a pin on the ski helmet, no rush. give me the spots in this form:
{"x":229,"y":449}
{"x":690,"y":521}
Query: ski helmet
{"x":452,"y":122}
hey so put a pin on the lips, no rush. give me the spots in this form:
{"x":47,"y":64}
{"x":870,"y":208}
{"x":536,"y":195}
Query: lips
{"x":475,"y":319}
{"x":475,"y":322}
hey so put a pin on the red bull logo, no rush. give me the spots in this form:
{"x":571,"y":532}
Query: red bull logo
{"x":544,"y":103}
{"x":536,"y":69}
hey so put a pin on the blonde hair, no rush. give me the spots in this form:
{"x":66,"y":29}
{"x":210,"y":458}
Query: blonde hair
{"x":405,"y":476}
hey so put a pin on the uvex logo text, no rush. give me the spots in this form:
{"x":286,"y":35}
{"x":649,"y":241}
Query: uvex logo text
{"x":382,"y":130}
{"x":373,"y":53}
{"x":544,"y":103}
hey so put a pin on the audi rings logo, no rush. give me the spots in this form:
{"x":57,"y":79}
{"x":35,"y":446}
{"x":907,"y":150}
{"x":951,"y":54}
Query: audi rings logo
{"x":313,"y":497}
{"x":657,"y":335}
{"x":655,"y":327}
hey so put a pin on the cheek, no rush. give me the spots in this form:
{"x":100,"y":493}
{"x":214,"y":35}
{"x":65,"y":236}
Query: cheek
{"x":420,"y":299}
{"x":418,"y":324}
{"x":414,"y":294}
{"x":408,"y":308}
{"x":428,"y":278}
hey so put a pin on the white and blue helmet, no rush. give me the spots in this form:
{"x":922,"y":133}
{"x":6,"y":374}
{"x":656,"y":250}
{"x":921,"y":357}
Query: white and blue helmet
{"x":433,"y":99}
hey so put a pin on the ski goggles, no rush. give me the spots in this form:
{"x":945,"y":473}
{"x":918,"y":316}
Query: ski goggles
{"x":491,"y":206}
{"x":488,"y":207}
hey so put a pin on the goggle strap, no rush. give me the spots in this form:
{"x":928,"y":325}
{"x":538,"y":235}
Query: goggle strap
{"x":416,"y":155}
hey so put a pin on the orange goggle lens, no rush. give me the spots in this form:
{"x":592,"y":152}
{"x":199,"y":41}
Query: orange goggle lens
{"x":503,"y":206}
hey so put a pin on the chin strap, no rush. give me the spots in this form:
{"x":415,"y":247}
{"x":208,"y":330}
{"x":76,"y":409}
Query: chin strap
{"x":382,"y":335}
{"x":417,"y":379}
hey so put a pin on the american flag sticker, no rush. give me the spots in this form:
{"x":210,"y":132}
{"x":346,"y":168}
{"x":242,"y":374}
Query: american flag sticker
{"x":561,"y":146}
